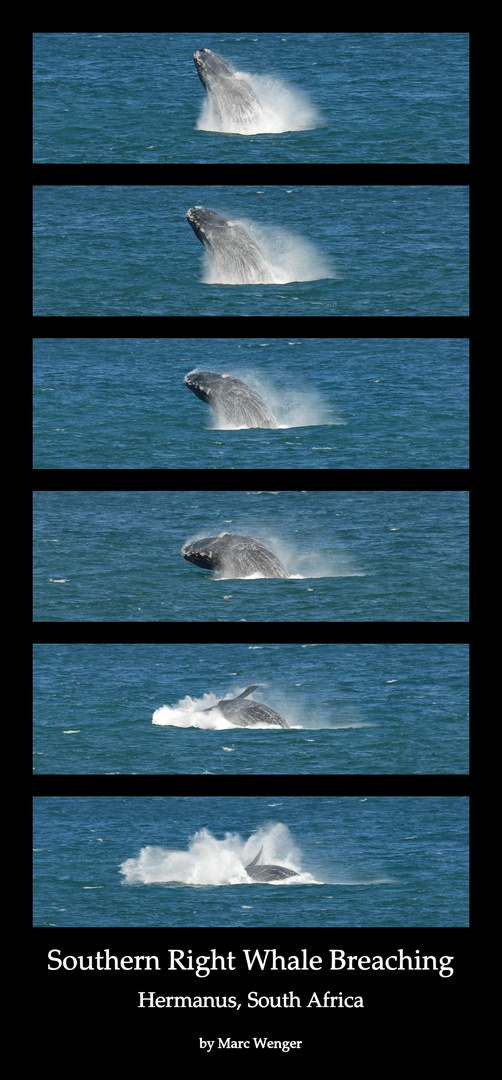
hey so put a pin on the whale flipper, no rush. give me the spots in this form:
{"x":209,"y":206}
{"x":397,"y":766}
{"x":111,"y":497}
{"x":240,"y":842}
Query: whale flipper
{"x":245,"y":693}
{"x":268,"y":871}
{"x":255,"y":860}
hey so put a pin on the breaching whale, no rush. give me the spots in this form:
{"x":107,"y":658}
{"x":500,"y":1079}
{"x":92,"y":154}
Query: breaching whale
{"x":267,"y":872}
{"x":232,"y":555}
{"x":232,"y":399}
{"x":233,"y":104}
{"x":247,"y":713}
{"x":235,"y":258}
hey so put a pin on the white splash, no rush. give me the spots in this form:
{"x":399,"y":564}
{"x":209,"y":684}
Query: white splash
{"x":210,"y":861}
{"x":282,"y":108}
{"x":189,"y":712}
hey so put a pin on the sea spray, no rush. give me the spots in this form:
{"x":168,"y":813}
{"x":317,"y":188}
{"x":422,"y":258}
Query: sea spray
{"x":210,"y":861}
{"x":288,"y":257}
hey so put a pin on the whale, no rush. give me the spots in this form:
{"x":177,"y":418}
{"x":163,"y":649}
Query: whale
{"x":233,"y":400}
{"x":267,"y":871}
{"x":232,"y":102}
{"x":233,"y":555}
{"x":247,"y":713}
{"x":235,"y":258}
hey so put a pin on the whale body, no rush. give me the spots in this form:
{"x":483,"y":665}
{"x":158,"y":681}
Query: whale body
{"x":232,"y":103}
{"x":267,"y":872}
{"x":233,"y":400}
{"x":247,"y":713}
{"x":235,"y":258}
{"x":233,"y":555}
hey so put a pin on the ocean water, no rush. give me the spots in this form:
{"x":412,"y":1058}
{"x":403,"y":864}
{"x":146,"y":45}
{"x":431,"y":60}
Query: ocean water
{"x":128,"y":250}
{"x":122,"y":708}
{"x":137,"y":98}
{"x":379,"y":861}
{"x":372,"y":556}
{"x":342,"y":403}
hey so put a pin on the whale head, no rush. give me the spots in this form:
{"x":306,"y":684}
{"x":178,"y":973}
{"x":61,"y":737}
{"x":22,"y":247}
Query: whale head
{"x":209,"y":227}
{"x":211,"y":67}
{"x":202,"y":384}
{"x":201,"y":553}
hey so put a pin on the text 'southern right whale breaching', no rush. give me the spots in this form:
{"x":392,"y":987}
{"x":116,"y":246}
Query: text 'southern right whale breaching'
{"x":267,"y":872}
{"x":233,"y":555}
{"x":234,"y":402}
{"x":236,"y":258}
{"x":247,"y":713}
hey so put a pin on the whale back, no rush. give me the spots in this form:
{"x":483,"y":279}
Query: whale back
{"x":248,"y":713}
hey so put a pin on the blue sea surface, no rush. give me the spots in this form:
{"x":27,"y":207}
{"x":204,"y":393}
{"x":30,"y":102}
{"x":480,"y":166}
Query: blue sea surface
{"x":179,"y":861}
{"x":401,"y":97}
{"x":371,"y":556}
{"x":128,"y":250}
{"x":342,"y":403}
{"x":352,"y":709}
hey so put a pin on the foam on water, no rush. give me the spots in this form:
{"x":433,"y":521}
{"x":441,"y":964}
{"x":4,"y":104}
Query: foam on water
{"x":189,"y":712}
